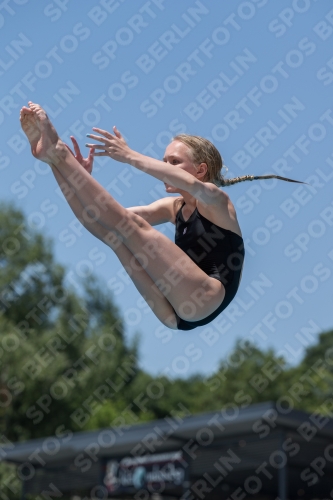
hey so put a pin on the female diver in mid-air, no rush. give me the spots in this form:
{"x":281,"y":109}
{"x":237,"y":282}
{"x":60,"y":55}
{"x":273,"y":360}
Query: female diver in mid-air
{"x":187,"y":283}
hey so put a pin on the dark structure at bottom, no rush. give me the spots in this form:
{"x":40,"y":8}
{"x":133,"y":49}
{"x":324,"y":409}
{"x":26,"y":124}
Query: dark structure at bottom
{"x":261,"y":452}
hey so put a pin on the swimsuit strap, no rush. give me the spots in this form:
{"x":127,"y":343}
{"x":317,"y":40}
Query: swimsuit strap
{"x":178,"y":212}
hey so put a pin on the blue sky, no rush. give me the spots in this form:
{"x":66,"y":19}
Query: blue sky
{"x":256,"y":77}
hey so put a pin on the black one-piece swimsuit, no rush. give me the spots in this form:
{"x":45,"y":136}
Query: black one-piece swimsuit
{"x":218,"y":252}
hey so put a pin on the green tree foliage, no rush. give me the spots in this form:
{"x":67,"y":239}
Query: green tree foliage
{"x":62,"y":356}
{"x":313,"y":380}
{"x":246,"y":376}
{"x":10,"y":485}
{"x":29,"y":274}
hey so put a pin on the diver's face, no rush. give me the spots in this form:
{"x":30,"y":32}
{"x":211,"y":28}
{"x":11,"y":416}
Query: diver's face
{"x":179,"y":155}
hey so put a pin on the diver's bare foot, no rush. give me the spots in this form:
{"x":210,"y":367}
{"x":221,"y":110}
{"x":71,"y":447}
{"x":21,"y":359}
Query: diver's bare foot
{"x":43,"y":138}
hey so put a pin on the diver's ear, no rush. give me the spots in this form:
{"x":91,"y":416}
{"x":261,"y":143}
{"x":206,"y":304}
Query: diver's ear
{"x":202,"y":170}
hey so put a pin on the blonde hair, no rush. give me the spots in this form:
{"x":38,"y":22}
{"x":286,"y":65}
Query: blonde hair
{"x":203,"y":151}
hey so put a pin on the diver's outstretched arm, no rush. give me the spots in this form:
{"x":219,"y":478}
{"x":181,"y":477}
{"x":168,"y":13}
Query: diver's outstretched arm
{"x":114,"y":146}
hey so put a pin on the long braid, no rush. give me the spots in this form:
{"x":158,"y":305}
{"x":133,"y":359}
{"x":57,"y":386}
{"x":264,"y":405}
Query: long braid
{"x":203,"y":151}
{"x":230,"y":182}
